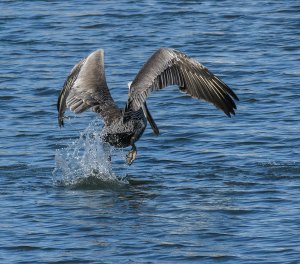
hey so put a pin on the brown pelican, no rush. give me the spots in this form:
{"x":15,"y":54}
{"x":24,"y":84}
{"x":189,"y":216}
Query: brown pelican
{"x":86,"y":88}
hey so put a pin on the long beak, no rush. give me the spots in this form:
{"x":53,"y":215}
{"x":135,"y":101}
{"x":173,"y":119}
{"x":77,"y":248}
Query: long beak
{"x":150,"y":119}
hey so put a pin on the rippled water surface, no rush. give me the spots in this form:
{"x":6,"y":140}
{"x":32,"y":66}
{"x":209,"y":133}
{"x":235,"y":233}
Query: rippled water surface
{"x":208,"y":189}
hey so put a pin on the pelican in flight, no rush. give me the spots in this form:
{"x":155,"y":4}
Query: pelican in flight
{"x":86,"y":87}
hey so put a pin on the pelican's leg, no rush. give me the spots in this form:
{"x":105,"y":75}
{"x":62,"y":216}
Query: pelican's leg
{"x":131,"y":155}
{"x":139,"y":130}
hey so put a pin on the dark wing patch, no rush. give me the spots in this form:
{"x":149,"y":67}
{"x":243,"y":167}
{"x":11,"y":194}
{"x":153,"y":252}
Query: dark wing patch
{"x":64,"y":93}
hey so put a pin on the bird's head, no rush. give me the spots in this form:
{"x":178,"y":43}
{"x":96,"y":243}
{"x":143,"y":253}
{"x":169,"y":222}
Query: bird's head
{"x":129,"y":86}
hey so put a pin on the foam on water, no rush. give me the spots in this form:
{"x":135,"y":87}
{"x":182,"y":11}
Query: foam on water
{"x":86,"y":161}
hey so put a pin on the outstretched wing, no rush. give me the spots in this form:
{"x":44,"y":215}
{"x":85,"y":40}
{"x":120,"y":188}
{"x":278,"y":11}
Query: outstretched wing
{"x":86,"y":87}
{"x":171,"y":67}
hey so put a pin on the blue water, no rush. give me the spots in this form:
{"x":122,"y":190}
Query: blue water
{"x":208,"y":189}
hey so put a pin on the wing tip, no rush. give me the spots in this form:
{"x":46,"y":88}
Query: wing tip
{"x":61,"y":122}
{"x":230,"y":113}
{"x":101,"y":51}
{"x":233,"y":95}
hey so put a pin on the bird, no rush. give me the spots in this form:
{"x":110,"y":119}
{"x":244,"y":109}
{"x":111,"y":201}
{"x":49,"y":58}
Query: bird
{"x":86,"y":88}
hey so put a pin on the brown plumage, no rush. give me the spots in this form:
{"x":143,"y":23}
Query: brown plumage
{"x":86,"y":88}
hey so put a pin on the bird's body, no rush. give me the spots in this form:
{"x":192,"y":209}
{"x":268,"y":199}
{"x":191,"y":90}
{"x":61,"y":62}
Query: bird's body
{"x":86,"y":88}
{"x":120,"y":134}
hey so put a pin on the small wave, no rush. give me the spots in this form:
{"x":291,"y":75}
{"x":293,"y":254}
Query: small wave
{"x":86,"y":162}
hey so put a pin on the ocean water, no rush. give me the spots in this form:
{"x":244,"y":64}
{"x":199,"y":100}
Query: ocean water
{"x":208,"y":189}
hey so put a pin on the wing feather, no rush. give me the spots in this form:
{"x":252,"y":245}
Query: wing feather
{"x":86,"y":87}
{"x":170,"y":67}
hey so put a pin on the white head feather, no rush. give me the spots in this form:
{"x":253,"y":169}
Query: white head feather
{"x":129,"y":85}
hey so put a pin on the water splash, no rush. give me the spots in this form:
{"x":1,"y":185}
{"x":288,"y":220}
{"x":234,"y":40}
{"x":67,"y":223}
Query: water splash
{"x":85,"y":162}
